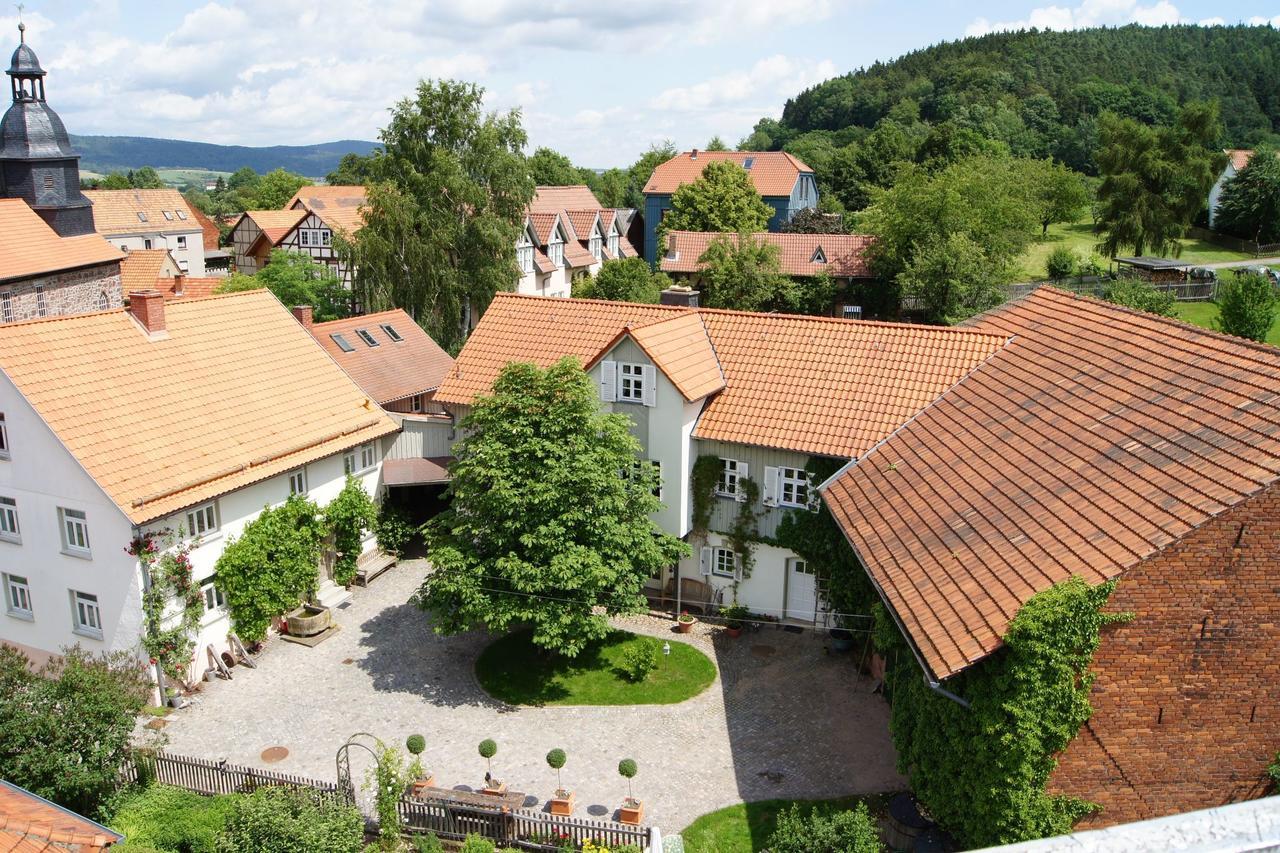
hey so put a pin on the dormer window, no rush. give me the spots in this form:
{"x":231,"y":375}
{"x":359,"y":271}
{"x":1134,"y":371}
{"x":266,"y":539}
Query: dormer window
{"x":596,"y":246}
{"x":613,"y":244}
{"x":555,"y":251}
{"x":818,"y":256}
{"x":524,"y":254}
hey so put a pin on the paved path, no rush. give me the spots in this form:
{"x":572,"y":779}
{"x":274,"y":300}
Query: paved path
{"x":784,"y":719}
{"x":1253,"y":262}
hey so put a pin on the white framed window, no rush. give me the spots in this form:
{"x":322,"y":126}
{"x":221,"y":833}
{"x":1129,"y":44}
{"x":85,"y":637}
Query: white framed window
{"x":104,"y":301}
{"x":182,"y":241}
{"x":800,"y":566}
{"x":212,"y":595}
{"x":146,"y":243}
{"x":731,"y":470}
{"x":596,"y":246}
{"x":793,"y":487}
{"x":203,"y":520}
{"x":349,"y":462}
{"x":86,"y":616}
{"x":304,"y":237}
{"x":555,"y":251}
{"x":415,"y":404}
{"x":724,"y":562}
{"x":631,"y":382}
{"x":9,"y":531}
{"x":326,"y":237}
{"x":6,"y":306}
{"x":298,"y":482}
{"x":4,"y":438}
{"x":183,"y":265}
{"x":524,"y":257}
{"x":42,"y":304}
{"x":367,"y":457}
{"x":75,"y":532}
{"x":613,"y":245}
{"x":17,"y":597}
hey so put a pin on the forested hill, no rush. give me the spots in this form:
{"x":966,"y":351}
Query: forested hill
{"x":122,"y":153}
{"x":1041,"y":91}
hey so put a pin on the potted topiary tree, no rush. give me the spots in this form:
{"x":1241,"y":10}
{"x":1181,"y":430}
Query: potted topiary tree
{"x":422,"y":779}
{"x":632,"y":810}
{"x":562,"y":802}
{"x":488,"y":749}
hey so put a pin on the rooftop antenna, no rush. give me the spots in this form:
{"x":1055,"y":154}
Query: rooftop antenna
{"x":22,"y":28}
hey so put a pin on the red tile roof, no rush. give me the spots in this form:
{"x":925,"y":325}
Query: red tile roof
{"x":543,"y":223}
{"x":341,"y":207}
{"x":811,"y":384}
{"x":845,"y":254}
{"x":275,"y":224}
{"x":773,"y":172}
{"x":1097,"y":437}
{"x":31,"y":248}
{"x":211,"y":233}
{"x":32,"y":824}
{"x":392,"y":370}
{"x":1239,"y":157}
{"x":142,"y":268}
{"x":122,"y":212}
{"x":556,"y":199}
{"x":680,"y":347}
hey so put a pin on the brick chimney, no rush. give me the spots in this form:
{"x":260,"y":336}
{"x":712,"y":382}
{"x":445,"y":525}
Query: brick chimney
{"x":678,"y":294}
{"x":147,"y":307}
{"x":694,"y":155}
{"x":179,"y":281}
{"x":303,"y":314}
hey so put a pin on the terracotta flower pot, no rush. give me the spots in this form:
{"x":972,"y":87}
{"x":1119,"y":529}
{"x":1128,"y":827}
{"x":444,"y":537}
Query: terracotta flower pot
{"x":733,"y":631}
{"x":421,"y":784}
{"x":561,"y":803}
{"x":631,"y":812}
{"x":685,"y":627}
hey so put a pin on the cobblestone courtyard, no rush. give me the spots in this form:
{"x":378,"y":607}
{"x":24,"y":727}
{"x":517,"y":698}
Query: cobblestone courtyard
{"x":783,"y":719}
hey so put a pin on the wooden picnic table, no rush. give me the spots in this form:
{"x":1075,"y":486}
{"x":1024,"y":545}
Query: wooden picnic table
{"x":507,"y":800}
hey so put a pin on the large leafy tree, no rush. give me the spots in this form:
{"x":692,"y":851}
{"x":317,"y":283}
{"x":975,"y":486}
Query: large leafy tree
{"x":1057,"y":193}
{"x":453,"y":189}
{"x":1155,"y":179}
{"x":743,"y":273}
{"x":623,"y":280}
{"x":550,"y":168}
{"x":549,"y":520}
{"x":1249,"y":206}
{"x":274,"y":189}
{"x":813,"y":221}
{"x":296,"y":279}
{"x":65,"y":728}
{"x":723,"y":198}
{"x":353,"y":170}
{"x":950,"y":237}
{"x":641,"y":170}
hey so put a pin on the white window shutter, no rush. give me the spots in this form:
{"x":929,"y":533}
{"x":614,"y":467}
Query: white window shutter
{"x":609,"y":381}
{"x":741,"y":495}
{"x":706,"y":561}
{"x":772,"y":483}
{"x":650,"y":390}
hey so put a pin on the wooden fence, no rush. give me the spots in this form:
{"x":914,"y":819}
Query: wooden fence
{"x":202,"y":776}
{"x":518,"y":829}
{"x":1235,"y":244}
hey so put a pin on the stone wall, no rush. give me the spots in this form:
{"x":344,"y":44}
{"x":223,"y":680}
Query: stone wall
{"x":1187,"y":697}
{"x":77,"y":291}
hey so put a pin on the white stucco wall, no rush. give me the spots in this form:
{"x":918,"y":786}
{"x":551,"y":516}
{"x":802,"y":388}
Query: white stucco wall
{"x":190,"y":259}
{"x":41,"y":476}
{"x":765,"y":591}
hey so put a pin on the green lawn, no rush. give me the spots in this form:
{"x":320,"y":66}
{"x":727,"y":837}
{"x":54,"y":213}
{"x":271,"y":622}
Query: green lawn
{"x":513,"y":670}
{"x":1079,"y":237}
{"x":746,"y":827}
{"x":1204,"y":313}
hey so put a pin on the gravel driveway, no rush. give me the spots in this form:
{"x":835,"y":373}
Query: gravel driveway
{"x":783,"y":719}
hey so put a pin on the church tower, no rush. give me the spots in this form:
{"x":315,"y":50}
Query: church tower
{"x":36,"y":161}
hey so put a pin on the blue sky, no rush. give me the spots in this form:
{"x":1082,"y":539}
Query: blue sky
{"x":598,"y":80}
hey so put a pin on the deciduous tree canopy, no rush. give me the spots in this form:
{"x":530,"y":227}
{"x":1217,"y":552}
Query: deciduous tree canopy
{"x":549,"y":517}
{"x":623,"y":280}
{"x":1249,"y":206}
{"x":723,"y":198}
{"x":296,"y":279}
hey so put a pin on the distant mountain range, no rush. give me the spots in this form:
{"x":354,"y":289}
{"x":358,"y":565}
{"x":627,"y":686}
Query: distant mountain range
{"x":120,"y":153}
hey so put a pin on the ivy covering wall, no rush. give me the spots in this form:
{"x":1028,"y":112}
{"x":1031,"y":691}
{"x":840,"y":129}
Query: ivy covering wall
{"x":982,"y":771}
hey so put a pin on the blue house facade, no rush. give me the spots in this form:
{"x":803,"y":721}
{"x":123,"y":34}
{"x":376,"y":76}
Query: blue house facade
{"x":785,"y":183}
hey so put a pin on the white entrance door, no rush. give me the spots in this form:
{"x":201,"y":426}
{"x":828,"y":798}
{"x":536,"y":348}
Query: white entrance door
{"x":802,"y":591}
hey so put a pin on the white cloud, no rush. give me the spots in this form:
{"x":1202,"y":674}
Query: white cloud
{"x":1258,"y":21}
{"x":1090,"y":13}
{"x":761,"y":84}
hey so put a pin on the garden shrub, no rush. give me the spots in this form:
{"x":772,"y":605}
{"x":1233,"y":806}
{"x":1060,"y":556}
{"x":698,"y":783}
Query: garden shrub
{"x":476,"y":844}
{"x":1061,"y":263}
{"x":428,"y":843}
{"x":171,"y":820}
{"x":271,"y":565}
{"x":285,"y":820}
{"x":639,"y":660}
{"x":1273,"y":770}
{"x":1246,"y":306}
{"x":392,"y":527}
{"x":851,"y":831}
{"x":1140,"y":296}
{"x":981,"y":771}
{"x":348,"y":515}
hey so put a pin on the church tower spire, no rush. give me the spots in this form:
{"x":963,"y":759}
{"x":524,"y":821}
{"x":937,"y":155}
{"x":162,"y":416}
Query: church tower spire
{"x":36,"y":160}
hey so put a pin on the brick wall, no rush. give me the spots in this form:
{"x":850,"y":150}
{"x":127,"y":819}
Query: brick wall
{"x":73,"y":292}
{"x":1187,"y":697}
